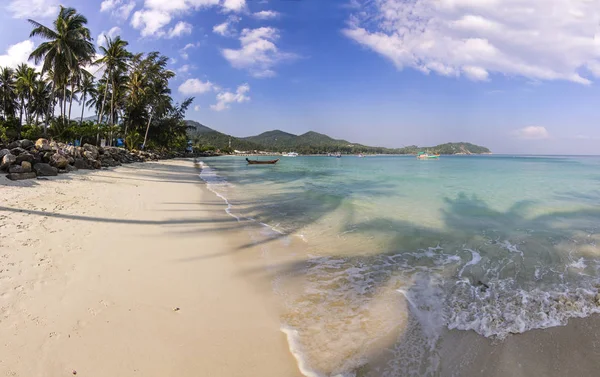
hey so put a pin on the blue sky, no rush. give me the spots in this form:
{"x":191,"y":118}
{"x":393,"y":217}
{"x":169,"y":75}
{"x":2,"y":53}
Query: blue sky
{"x":518,"y":76}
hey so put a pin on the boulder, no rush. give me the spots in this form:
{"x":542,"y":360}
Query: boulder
{"x":26,"y":166}
{"x":45,"y":170}
{"x":8,"y":160}
{"x":80,"y":163}
{"x":17,"y":151}
{"x":43,"y":145}
{"x":59,"y":161}
{"x":70,"y":168}
{"x":16,"y":169}
{"x":14,"y":144}
{"x":93,"y":151}
{"x":62,"y":171}
{"x":20,"y":176}
{"x":27,"y":144}
{"x":3,"y":152}
{"x":47,"y":157}
{"x":25,"y":156}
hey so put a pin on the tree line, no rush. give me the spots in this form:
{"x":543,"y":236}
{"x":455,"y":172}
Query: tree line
{"x":131,"y":99}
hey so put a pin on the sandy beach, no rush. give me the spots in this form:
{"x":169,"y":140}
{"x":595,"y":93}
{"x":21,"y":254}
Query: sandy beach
{"x":131,"y":272}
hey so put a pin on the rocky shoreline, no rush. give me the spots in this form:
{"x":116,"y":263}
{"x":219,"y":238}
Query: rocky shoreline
{"x":26,"y":159}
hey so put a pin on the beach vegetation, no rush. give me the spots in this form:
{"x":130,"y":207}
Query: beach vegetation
{"x":127,"y":91}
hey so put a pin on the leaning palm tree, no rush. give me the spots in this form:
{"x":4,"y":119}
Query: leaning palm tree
{"x":115,"y":62}
{"x":67,"y":46}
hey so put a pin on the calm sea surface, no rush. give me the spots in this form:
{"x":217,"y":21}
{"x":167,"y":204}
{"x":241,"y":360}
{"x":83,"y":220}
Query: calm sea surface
{"x":391,"y":252}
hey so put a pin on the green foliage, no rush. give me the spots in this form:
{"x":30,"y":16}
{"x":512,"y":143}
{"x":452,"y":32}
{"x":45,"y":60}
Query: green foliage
{"x":133,"y":140}
{"x":31,"y":132}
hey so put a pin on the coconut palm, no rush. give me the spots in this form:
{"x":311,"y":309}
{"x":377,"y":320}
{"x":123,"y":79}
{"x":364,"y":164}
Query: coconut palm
{"x":8,"y":93}
{"x":115,"y":62}
{"x":87,"y":86}
{"x":26,"y":78}
{"x":67,"y":46}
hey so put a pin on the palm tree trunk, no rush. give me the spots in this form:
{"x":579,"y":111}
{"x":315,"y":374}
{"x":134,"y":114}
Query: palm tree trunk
{"x":112,"y":104}
{"x":20,"y":120}
{"x":64,"y":102}
{"x":50,"y":109}
{"x":71,"y":99}
{"x":82,"y":107}
{"x":146,"y":135}
{"x":101,"y":113}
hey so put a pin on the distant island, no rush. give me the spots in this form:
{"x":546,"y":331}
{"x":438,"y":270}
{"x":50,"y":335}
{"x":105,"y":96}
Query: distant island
{"x":310,"y":143}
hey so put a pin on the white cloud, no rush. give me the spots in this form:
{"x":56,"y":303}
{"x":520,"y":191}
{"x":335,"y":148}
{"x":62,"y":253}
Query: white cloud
{"x":531,"y":133}
{"x":535,"y":39}
{"x":183,"y":52}
{"x":195,"y":86}
{"x":234,"y":5}
{"x":17,"y":54}
{"x":152,"y":19}
{"x":150,"y":22}
{"x":266,"y":14}
{"x":182,"y":28}
{"x":118,"y":8}
{"x":258,"y":52}
{"x":184,"y":69}
{"x":33,"y":8}
{"x":225,"y":98}
{"x":197,"y":108}
{"x":226,"y":28}
{"x":104,"y":35}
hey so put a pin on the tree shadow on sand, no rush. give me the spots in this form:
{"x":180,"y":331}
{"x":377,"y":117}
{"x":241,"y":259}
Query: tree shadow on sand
{"x":480,"y":262}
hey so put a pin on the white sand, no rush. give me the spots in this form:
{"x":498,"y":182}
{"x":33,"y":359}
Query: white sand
{"x":93,"y":264}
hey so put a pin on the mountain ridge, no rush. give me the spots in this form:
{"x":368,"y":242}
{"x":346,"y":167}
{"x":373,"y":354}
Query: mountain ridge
{"x":312,"y":142}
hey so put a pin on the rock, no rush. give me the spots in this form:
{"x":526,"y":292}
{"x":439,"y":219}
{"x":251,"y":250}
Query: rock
{"x":42,"y":145}
{"x":14,"y":144}
{"x":3,"y":152}
{"x":16,"y":169}
{"x":62,"y":171}
{"x":20,"y":176}
{"x":47,"y":157}
{"x":80,"y":163}
{"x":45,"y":170}
{"x":27,"y":144}
{"x":25,"y":156}
{"x":17,"y":151}
{"x":59,"y":161}
{"x":7,"y":160}
{"x":70,"y":168}
{"x":26,"y":166}
{"x":96,"y":164}
{"x":93,"y":151}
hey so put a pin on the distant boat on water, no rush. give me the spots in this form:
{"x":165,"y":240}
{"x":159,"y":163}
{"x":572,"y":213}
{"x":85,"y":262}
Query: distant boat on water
{"x":360,"y":155}
{"x":290,"y":154}
{"x":427,"y":156}
{"x":261,"y":162}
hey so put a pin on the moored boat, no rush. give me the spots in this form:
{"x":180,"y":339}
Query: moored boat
{"x":427,"y":156}
{"x":261,"y":162}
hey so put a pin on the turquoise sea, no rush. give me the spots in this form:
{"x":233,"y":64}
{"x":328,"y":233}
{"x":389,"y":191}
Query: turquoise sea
{"x":389,"y":252}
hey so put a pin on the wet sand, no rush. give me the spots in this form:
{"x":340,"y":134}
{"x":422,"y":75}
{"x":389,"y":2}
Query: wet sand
{"x":131,"y":272}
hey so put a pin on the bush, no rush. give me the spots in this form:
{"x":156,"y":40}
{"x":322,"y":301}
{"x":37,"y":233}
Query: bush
{"x":31,"y":132}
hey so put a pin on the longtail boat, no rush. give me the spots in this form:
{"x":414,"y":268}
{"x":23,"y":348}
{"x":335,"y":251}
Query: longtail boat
{"x":261,"y":162}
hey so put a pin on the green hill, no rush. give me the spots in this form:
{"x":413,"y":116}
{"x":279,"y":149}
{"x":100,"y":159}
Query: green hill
{"x":312,"y":143}
{"x":207,"y":137}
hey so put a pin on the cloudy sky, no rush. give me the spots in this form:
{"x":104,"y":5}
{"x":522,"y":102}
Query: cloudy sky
{"x":519,"y":76}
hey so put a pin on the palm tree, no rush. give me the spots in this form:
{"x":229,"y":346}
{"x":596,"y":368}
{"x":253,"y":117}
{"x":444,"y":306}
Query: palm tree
{"x":86,"y":86}
{"x":26,"y":78}
{"x":67,"y":46}
{"x":8,"y":93}
{"x":115,"y":60}
{"x":159,"y":100}
{"x":41,"y":98}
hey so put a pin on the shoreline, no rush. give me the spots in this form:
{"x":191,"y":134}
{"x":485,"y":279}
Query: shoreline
{"x":131,"y":271}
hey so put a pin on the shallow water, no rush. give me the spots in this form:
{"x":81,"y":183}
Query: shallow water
{"x":389,"y":253}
